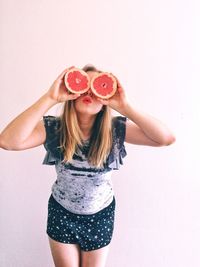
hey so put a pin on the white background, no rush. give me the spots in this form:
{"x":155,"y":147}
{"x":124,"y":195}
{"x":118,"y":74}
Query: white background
{"x":153,"y":49}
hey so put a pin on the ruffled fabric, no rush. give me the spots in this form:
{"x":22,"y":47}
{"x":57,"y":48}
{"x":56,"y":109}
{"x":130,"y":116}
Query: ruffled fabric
{"x":118,"y":151}
{"x":54,"y":153}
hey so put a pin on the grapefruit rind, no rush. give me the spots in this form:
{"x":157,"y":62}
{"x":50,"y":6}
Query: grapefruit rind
{"x":104,"y":85}
{"x":77,"y":81}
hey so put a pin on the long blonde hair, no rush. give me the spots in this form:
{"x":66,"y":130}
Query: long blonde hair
{"x":101,"y":132}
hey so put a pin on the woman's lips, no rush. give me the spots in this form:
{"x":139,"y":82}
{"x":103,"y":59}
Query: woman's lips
{"x":87,"y":99}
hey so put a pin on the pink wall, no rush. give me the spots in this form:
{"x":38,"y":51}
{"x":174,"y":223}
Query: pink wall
{"x":153,"y":48}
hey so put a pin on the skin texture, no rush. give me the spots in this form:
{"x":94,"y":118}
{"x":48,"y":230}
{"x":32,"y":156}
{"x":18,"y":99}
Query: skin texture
{"x":70,"y":255}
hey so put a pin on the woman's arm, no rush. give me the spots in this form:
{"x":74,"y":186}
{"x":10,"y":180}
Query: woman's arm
{"x":143,"y":129}
{"x":19,"y":129}
{"x":26,"y":130}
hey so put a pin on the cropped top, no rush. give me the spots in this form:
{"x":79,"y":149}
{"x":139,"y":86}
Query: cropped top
{"x":80,"y":187}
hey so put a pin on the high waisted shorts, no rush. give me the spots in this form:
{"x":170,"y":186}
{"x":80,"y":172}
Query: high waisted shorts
{"x":89,"y":231}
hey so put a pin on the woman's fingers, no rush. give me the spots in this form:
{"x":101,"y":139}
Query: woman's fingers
{"x":63,"y":73}
{"x":118,"y":83}
{"x":119,"y":86}
{"x":67,"y":96}
{"x":73,"y":96}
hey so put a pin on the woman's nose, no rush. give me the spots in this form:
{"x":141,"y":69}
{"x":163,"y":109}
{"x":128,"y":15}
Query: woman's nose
{"x":89,"y":92}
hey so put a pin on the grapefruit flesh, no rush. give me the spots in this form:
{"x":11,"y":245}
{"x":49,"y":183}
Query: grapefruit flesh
{"x":77,"y":81}
{"x":104,"y":85}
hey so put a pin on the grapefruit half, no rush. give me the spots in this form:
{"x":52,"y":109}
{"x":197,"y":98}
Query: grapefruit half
{"x":104,"y":85}
{"x":77,"y":81}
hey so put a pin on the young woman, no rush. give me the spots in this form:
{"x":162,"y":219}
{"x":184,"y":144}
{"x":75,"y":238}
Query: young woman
{"x":85,"y":143}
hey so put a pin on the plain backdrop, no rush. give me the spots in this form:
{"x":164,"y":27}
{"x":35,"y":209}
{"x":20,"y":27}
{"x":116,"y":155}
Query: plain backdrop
{"x":153,"y":49}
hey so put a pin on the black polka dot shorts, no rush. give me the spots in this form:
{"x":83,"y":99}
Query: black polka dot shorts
{"x":89,"y":231}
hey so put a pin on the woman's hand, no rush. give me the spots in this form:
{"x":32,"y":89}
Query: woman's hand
{"x":118,"y":101}
{"x":58,"y":91}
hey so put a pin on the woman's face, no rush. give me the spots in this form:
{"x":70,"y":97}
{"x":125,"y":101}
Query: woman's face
{"x":90,"y":105}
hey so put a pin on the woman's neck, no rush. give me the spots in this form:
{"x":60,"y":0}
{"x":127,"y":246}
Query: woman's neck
{"x":86,"y":122}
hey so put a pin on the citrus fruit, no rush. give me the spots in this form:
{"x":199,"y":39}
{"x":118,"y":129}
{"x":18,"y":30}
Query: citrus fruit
{"x":77,"y":81}
{"x":104,"y":85}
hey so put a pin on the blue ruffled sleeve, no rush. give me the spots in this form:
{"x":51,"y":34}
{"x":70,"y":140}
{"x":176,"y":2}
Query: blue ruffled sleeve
{"x":118,"y":151}
{"x":52,"y":143}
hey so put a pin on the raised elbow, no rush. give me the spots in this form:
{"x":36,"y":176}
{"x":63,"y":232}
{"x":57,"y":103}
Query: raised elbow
{"x":169,"y":140}
{"x":4,"y":144}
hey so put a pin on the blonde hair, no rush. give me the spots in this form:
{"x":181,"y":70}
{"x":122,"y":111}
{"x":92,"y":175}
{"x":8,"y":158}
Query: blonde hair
{"x":101,"y":132}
